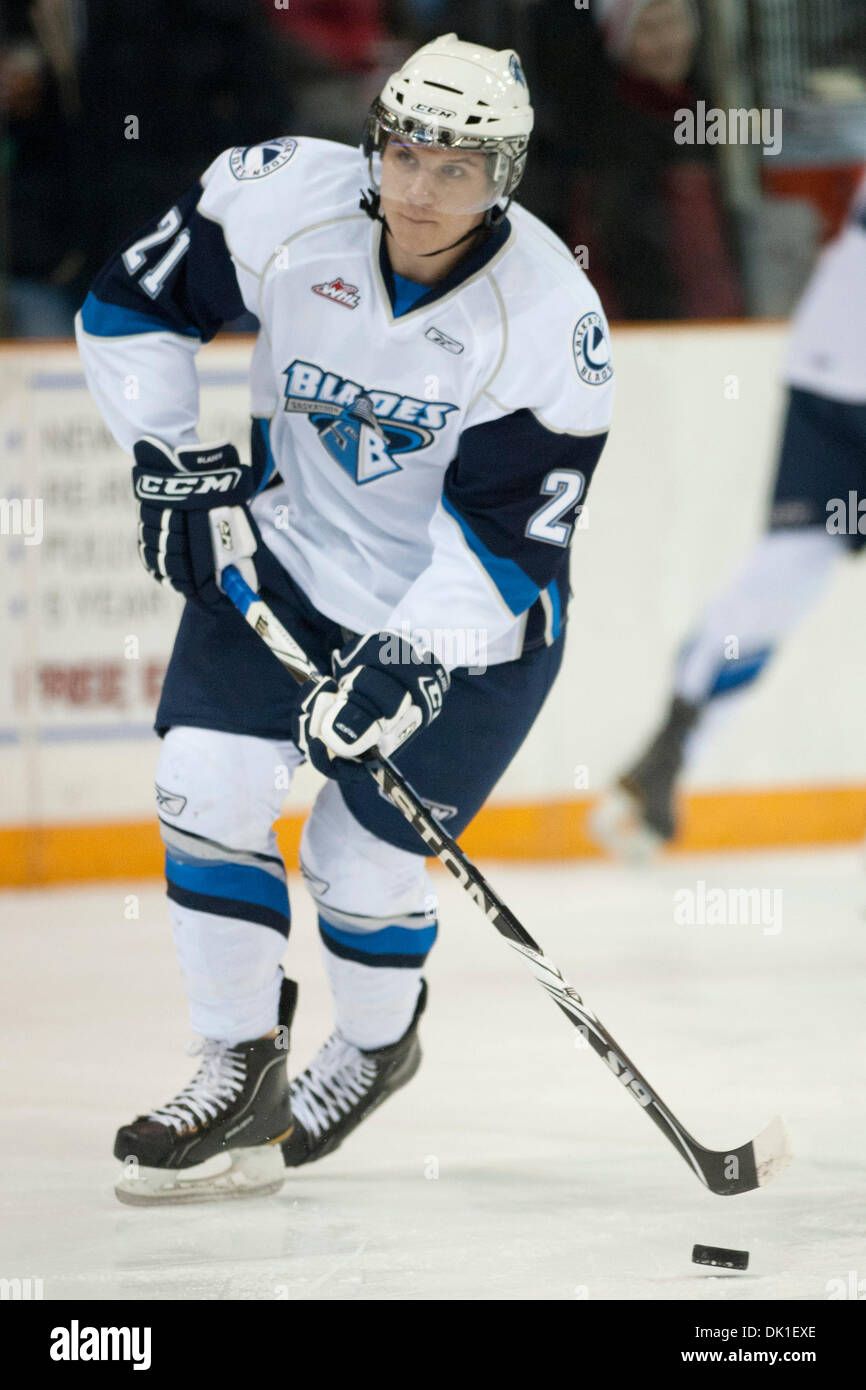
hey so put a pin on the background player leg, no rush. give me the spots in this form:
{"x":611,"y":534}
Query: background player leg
{"x":782,"y":577}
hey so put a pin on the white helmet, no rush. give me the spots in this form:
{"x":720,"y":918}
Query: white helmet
{"x":454,"y":94}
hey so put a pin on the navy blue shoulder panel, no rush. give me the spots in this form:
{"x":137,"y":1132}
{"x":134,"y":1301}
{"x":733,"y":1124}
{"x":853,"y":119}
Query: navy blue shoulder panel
{"x":176,"y":273}
{"x":516,"y":488}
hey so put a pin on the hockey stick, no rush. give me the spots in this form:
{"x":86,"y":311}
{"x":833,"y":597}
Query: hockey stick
{"x":725,"y":1172}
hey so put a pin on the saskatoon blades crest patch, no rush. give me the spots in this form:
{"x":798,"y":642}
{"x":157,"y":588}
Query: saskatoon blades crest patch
{"x":257,"y":161}
{"x":363,"y":429}
{"x":355,"y":440}
{"x":592,"y":350}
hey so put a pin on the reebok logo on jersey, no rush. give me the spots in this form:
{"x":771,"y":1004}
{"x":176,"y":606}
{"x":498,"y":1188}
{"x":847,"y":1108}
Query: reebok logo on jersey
{"x":442,"y":340}
{"x":176,"y":486}
{"x":364,"y":430}
{"x":339,"y":292}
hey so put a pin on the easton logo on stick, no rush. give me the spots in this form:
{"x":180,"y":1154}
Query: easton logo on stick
{"x":431,"y":836}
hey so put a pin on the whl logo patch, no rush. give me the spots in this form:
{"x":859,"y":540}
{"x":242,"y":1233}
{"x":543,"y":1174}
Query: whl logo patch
{"x":364,"y":430}
{"x":340,"y":292}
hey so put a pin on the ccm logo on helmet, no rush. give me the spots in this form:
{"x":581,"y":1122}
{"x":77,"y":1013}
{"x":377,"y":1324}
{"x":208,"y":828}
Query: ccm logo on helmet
{"x":433,"y":110}
{"x":187,"y":484}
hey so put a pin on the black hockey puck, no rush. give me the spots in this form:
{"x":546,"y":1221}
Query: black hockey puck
{"x":717,"y":1255}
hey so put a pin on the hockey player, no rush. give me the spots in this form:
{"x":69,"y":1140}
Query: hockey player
{"x":821,"y":471}
{"x":430,"y":391}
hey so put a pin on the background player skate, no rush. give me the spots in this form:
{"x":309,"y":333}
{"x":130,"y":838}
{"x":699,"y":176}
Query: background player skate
{"x":431,"y":390}
{"x":822,"y":463}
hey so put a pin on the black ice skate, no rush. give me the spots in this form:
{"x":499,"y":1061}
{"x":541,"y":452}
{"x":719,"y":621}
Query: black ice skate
{"x":342,"y":1085}
{"x":638,"y":815}
{"x":237,"y":1106}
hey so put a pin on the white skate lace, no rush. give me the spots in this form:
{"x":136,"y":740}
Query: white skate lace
{"x":216,"y":1084}
{"x":338,"y":1076}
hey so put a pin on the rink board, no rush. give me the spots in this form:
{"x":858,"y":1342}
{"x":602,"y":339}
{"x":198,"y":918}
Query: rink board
{"x":677,"y":501}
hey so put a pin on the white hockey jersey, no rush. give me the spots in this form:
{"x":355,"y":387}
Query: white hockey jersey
{"x":430,"y":460}
{"x":827,"y":347}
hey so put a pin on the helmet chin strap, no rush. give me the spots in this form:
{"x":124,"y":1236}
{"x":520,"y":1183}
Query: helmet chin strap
{"x":482,"y":227}
{"x":371,"y":204}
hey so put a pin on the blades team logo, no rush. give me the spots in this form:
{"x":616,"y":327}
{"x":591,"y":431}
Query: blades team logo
{"x":339,"y":292}
{"x":364,"y":430}
{"x":257,"y":161}
{"x":592,"y":350}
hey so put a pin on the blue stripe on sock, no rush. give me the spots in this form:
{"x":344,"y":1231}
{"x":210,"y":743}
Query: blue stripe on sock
{"x":739,"y":672}
{"x":241,"y":883}
{"x":411,"y":945}
{"x":230,"y":907}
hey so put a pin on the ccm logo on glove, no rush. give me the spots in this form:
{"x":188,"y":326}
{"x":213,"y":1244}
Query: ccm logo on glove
{"x":190,"y":500}
{"x":186,"y":485}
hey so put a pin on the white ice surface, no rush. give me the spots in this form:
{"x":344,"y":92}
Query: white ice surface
{"x":552,"y":1184}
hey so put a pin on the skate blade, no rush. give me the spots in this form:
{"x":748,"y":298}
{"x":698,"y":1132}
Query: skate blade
{"x":256,"y":1172}
{"x":615,"y":824}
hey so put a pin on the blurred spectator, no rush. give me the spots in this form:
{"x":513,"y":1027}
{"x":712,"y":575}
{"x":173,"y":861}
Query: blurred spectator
{"x":339,"y":35}
{"x":113,"y":109}
{"x":338,"y":54}
{"x":39,"y":106}
{"x":165,"y":86}
{"x":649,"y":211}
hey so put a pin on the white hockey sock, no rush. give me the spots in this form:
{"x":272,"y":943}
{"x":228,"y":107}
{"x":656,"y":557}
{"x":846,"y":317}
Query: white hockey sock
{"x":781,"y":578}
{"x":373,"y":1005}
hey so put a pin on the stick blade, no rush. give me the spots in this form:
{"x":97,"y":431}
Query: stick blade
{"x":753,"y":1165}
{"x":773,"y":1151}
